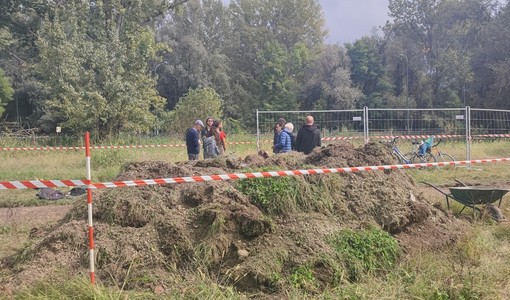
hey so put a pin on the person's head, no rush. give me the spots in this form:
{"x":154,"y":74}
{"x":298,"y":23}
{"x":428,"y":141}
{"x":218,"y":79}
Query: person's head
{"x":199,"y":125}
{"x":289,"y":127}
{"x":309,"y":120}
{"x":278,"y":127}
{"x":209,"y":122}
{"x":281,"y":122}
{"x":218,"y":124}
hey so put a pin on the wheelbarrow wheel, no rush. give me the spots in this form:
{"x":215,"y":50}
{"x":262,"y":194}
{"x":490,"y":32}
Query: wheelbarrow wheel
{"x":494,"y":212}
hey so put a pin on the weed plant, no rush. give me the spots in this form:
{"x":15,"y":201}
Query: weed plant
{"x":365,"y":251}
{"x":284,"y":195}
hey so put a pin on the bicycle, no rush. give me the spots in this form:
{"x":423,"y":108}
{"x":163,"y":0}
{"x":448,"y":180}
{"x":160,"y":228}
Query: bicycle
{"x":397,"y":153}
{"x":417,"y":158}
{"x":442,"y":156}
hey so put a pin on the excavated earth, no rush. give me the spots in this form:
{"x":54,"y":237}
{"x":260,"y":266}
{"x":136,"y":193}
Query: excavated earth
{"x":164,"y":235}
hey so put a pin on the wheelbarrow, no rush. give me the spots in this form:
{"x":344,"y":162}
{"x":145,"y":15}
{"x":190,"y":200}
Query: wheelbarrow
{"x":470,"y":196}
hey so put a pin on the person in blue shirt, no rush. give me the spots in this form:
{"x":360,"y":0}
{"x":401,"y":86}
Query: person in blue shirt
{"x":192,"y":140}
{"x":282,"y":122}
{"x":283,"y":143}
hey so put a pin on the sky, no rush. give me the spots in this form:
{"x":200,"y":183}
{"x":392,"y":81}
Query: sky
{"x":349,"y":20}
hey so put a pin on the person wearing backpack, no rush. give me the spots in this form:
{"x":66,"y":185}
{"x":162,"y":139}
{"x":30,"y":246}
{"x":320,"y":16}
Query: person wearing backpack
{"x":210,"y":146}
{"x":205,"y":131}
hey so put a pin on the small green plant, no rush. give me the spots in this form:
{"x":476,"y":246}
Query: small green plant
{"x":273,"y":195}
{"x":365,"y":251}
{"x":303,"y":278}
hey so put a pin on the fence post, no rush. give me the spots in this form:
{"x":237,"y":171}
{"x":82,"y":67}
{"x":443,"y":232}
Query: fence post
{"x":89,"y":206}
{"x":468,"y":136}
{"x":258,"y":131}
{"x":365,"y":125}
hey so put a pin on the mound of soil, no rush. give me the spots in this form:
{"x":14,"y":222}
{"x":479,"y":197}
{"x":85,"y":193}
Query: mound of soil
{"x":170,"y":233}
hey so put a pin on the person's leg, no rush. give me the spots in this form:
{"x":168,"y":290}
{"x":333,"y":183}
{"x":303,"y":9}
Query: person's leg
{"x":423,"y":148}
{"x":192,"y":156}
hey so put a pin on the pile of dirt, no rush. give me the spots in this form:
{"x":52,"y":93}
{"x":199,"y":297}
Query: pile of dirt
{"x":166,"y":233}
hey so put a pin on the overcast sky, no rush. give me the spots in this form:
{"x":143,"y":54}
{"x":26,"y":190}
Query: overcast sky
{"x":349,"y":20}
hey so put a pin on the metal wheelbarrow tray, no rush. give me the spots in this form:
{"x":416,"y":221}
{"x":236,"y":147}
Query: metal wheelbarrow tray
{"x":470,"y":196}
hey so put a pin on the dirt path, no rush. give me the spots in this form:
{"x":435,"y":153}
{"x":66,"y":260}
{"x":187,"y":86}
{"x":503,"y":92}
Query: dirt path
{"x":32,"y":216}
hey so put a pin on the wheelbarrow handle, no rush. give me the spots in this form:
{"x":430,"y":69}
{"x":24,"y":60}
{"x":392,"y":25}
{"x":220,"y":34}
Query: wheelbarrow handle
{"x":435,"y":187}
{"x":458,"y":181}
{"x":447,"y":196}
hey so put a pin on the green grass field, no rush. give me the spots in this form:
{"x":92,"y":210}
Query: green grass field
{"x":20,"y":165}
{"x":474,"y":268}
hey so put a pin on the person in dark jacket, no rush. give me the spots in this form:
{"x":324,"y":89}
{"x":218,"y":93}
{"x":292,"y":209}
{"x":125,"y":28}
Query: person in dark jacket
{"x":208,"y":124}
{"x":308,"y":137}
{"x":281,"y":122}
{"x":192,"y":140}
{"x":283,"y":144}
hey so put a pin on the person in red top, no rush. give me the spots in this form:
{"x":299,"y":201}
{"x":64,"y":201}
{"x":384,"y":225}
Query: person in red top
{"x":222,"y":143}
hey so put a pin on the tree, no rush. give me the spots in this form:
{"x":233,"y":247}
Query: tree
{"x":441,"y":34}
{"x":194,"y":37}
{"x":328,"y":82}
{"x":94,"y":58}
{"x":277,"y":89}
{"x":491,"y":64}
{"x":270,"y":46}
{"x":6,"y":91}
{"x":368,"y":70}
{"x":196,"y":104}
{"x":19,"y":23}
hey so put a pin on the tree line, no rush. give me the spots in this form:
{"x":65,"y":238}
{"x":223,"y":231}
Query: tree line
{"x":116,"y":66}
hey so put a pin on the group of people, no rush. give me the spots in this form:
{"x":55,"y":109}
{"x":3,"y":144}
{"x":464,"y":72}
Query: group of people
{"x":211,"y":136}
{"x":308,"y":137}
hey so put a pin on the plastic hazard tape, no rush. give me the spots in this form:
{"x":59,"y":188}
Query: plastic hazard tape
{"x":4,"y":185}
{"x":41,"y":148}
{"x":94,"y":147}
{"x":245,"y":143}
{"x":108,"y":147}
{"x":491,"y":135}
{"x":37,"y":184}
{"x":416,"y":136}
{"x":437,"y":136}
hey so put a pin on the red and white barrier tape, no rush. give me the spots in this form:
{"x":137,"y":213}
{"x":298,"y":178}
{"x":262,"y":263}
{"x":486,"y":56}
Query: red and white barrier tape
{"x":108,"y":147}
{"x":491,"y":135}
{"x":246,"y":143}
{"x":415,"y":136}
{"x":222,"y":177}
{"x":35,"y":184}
